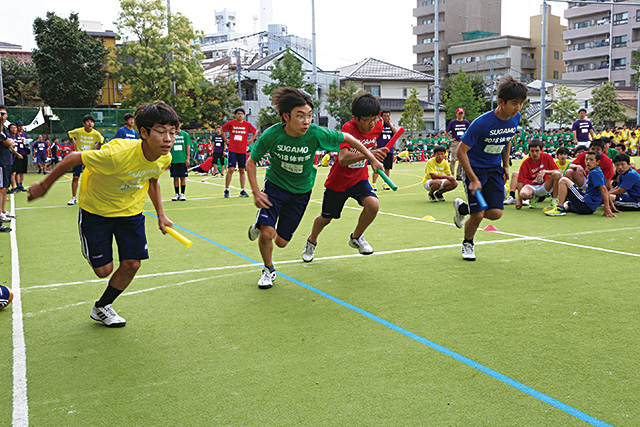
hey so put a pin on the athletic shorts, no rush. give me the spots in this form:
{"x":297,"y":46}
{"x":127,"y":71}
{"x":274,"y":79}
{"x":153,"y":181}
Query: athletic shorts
{"x":77,"y":170}
{"x":178,"y":170}
{"x":427,"y":184}
{"x":97,"y":233}
{"x":287,"y":210}
{"x":240,"y":158}
{"x":625,"y":202}
{"x":388,"y":161}
{"x":218,"y":156}
{"x":333,"y":201}
{"x":493,"y":190}
{"x":20,"y":165}
{"x":5,"y":175}
{"x":41,"y":158}
{"x":200,"y":157}
{"x":539,"y":190}
{"x":575,"y":198}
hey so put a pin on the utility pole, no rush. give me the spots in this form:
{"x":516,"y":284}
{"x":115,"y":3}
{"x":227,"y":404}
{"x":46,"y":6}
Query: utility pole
{"x":1,"y":85}
{"x":543,"y":66}
{"x":436,"y":74}
{"x":313,"y":57}
{"x":238,"y":70}
{"x":173,"y":80}
{"x":491,"y":80}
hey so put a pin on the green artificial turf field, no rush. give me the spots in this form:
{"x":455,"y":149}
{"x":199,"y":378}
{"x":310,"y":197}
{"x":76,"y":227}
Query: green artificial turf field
{"x":547,"y":317}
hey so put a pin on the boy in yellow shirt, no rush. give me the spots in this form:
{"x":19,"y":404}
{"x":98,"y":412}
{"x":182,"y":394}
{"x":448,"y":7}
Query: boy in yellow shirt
{"x":562,"y":158}
{"x":83,"y":139}
{"x":111,"y":199}
{"x":437,"y":175}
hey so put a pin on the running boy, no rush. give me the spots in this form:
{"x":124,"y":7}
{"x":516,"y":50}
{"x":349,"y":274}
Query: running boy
{"x":112,"y":196}
{"x":291,"y":174}
{"x":82,"y":139}
{"x":437,"y":175}
{"x":388,"y":130}
{"x":484,"y":157}
{"x":349,"y":177}
{"x":238,"y":139}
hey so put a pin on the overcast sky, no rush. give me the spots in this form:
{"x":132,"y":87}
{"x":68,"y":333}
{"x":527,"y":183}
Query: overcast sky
{"x":346,"y":31}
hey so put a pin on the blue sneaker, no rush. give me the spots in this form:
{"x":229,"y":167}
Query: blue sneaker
{"x":226,"y":194}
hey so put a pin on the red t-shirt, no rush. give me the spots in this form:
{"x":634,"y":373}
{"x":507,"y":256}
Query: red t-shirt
{"x":605,"y":164}
{"x":201,"y":148}
{"x":529,"y":169}
{"x":238,"y":135}
{"x":207,"y":165}
{"x":342,"y":178}
{"x":209,"y":147}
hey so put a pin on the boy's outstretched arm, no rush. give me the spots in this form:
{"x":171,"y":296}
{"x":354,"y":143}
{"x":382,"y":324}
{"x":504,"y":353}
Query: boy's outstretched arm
{"x":39,"y":189}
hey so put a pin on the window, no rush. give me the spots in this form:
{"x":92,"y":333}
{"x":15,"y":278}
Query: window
{"x":427,"y":21}
{"x":373,"y":90}
{"x":427,"y":40}
{"x":555,"y":75}
{"x":638,"y":15}
{"x":556,"y":54}
{"x":621,"y":18}
{"x":404,"y":92}
{"x":620,"y":41}
{"x":619,"y":64}
{"x":618,"y":83}
{"x":583,"y":67}
{"x":582,"y":24}
{"x":495,"y":56}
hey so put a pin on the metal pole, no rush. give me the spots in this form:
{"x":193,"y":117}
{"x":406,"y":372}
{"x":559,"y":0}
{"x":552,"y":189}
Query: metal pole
{"x":543,"y":66}
{"x":1,"y":85}
{"x":491,"y":80}
{"x":638,"y":106}
{"x":313,"y":57}
{"x":173,"y":81}
{"x":610,"y":40}
{"x":436,"y":74}
{"x":239,"y":76}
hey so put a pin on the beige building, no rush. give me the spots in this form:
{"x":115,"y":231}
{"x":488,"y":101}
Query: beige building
{"x":555,"y":45}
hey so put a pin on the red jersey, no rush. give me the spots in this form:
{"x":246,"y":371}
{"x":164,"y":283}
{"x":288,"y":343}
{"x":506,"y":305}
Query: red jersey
{"x":201,"y":148}
{"x":529,"y":169}
{"x":605,"y":164}
{"x":342,"y":178}
{"x":238,"y":135}
{"x":209,"y":148}
{"x":66,"y":149}
{"x":206,"y":166}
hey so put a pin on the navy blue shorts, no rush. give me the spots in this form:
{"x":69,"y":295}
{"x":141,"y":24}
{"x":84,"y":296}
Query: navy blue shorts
{"x":77,"y":170}
{"x":333,"y":201}
{"x":493,"y":190}
{"x":5,"y":175}
{"x":240,"y":158}
{"x":575,"y":199}
{"x":287,"y":210}
{"x":97,"y":233}
{"x":625,"y":202}
{"x":178,"y":170}
{"x":41,"y":157}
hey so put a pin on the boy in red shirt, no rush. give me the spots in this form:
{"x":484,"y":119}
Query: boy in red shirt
{"x":237,"y":142}
{"x":201,"y":152}
{"x":349,"y":177}
{"x":538,"y":176}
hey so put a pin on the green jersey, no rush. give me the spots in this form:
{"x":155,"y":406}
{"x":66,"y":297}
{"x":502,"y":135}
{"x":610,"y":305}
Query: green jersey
{"x":292,"y":157}
{"x":179,"y":149}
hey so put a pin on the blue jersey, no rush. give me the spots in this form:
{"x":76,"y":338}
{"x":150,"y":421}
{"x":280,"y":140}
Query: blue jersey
{"x":487,"y":137}
{"x":126,"y":133}
{"x":593,"y":196}
{"x":630,"y":181}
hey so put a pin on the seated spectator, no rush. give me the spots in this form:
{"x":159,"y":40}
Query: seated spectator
{"x":562,"y":158}
{"x":437,"y":178}
{"x":577,"y":171}
{"x":627,"y":195}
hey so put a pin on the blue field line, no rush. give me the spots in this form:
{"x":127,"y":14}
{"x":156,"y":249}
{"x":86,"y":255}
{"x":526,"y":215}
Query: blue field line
{"x":435,"y":346}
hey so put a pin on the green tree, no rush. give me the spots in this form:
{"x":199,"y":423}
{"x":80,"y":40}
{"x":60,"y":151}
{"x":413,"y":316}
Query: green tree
{"x":605,"y":106}
{"x":19,"y":81}
{"x":70,"y":64}
{"x":286,"y":72}
{"x":564,"y":105}
{"x":524,"y":120}
{"x":479,"y":89}
{"x":461,"y":93}
{"x":411,"y":119}
{"x":217,"y":101}
{"x":152,"y":56}
{"x":339,"y":101}
{"x":635,"y":66}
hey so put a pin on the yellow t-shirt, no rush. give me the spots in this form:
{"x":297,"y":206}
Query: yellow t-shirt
{"x":404,"y":153}
{"x":325,"y":160}
{"x":433,"y":166}
{"x":116,"y":178}
{"x":85,"y":141}
{"x":633,"y":143}
{"x":562,"y":167}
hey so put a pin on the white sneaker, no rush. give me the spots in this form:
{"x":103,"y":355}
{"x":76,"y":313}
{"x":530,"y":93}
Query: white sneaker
{"x":266,"y":279}
{"x":467,"y":252}
{"x":73,"y":201}
{"x":4,"y":218}
{"x":108,"y":316}
{"x":175,"y":198}
{"x":510,"y":200}
{"x":254,"y":231}
{"x":182,"y":197}
{"x":8,"y":215}
{"x":309,"y":251}
{"x":363,"y":247}
{"x":458,"y":218}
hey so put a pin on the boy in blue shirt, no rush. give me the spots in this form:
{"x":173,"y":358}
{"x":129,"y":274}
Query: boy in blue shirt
{"x":626,"y":195}
{"x":483,"y":154}
{"x":571,"y":198}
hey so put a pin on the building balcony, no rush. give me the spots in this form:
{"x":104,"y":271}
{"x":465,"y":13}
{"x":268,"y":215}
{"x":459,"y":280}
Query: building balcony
{"x":597,"y":74}
{"x":594,"y":52}
{"x":424,"y":29}
{"x":578,"y":12}
{"x":501,"y":65}
{"x":578,"y":33}
{"x":424,"y":48}
{"x":424,"y":10}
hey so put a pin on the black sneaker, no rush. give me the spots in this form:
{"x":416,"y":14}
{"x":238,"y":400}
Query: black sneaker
{"x":4,"y":229}
{"x":439,"y":197}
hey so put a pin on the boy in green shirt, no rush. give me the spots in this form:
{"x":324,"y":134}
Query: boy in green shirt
{"x":180,"y":159}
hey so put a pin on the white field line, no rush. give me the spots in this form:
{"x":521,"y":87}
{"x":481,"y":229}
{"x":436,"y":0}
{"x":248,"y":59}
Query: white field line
{"x":20,"y":402}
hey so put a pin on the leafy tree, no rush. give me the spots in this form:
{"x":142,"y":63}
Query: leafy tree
{"x":217,"y":101}
{"x":635,"y":66}
{"x":70,"y":64}
{"x":524,"y":120}
{"x":564,"y":105}
{"x":605,"y":106}
{"x":153,"y":56}
{"x":460,"y":93}
{"x":478,"y":85}
{"x":19,"y":81}
{"x":286,"y":72}
{"x":411,"y":118}
{"x":339,"y":101}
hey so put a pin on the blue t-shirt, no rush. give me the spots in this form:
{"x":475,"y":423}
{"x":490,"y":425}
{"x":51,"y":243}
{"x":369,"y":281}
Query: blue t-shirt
{"x":630,"y":181}
{"x":385,"y":137}
{"x":40,"y":148}
{"x":126,"y":133}
{"x":593,"y":196}
{"x":218,"y":143}
{"x":456,"y":128}
{"x":488,"y":136}
{"x":582,"y":128}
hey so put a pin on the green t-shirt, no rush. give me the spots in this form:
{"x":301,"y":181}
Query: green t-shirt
{"x":179,"y":149}
{"x":292,"y":157}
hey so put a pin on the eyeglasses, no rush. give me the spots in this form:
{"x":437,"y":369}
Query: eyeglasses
{"x":371,"y":120}
{"x":3,"y":113}
{"x":303,"y":117}
{"x":171,"y":133}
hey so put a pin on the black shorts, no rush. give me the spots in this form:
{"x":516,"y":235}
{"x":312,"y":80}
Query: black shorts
{"x":286,"y":211}
{"x":575,"y":198}
{"x":216,"y":157}
{"x":97,"y":233}
{"x":240,"y":158}
{"x":77,"y":170}
{"x":333,"y":201}
{"x":178,"y":170}
{"x":493,"y":190}
{"x":20,"y":165}
{"x":5,"y":175}
{"x":388,"y":161}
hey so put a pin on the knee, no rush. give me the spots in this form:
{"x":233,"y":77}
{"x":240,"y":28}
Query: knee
{"x":280,"y":242}
{"x":130,"y":265}
{"x":371,"y":204}
{"x":104,"y":271}
{"x":493,"y":214}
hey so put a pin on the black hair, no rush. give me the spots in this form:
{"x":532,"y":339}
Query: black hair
{"x":598,"y":143}
{"x":385,"y":111}
{"x":622,"y":157}
{"x":285,"y":99}
{"x":158,"y":112}
{"x":510,"y":88}
{"x":88,"y":117}
{"x":563,"y":150}
{"x":128,"y":116}
{"x":579,"y":149}
{"x":585,"y":110}
{"x":536,"y":143}
{"x":239,"y":109}
{"x":594,"y":153}
{"x":365,"y":105}
{"x":440,"y":149}
{"x":620,"y":144}
{"x":180,"y":119}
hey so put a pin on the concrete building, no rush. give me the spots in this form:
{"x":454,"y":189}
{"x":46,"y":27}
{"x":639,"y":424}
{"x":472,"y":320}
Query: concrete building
{"x":15,"y":50}
{"x":555,"y":45}
{"x":599,"y":40}
{"x":455,"y":18}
